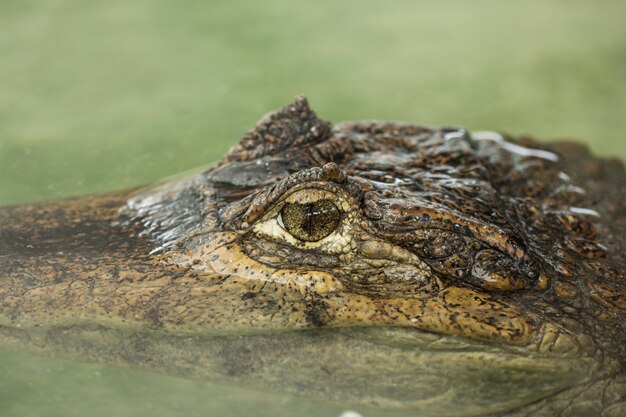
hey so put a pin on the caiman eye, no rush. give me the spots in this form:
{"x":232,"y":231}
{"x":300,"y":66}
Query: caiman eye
{"x":310,"y":222}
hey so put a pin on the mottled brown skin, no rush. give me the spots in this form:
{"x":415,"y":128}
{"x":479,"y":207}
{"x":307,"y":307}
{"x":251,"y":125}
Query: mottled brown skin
{"x":456,"y":273}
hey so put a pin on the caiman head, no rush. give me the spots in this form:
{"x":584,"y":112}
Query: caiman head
{"x":382,"y":263}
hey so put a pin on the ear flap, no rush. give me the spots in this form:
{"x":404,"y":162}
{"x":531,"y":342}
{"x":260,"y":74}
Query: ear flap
{"x":293,"y":125}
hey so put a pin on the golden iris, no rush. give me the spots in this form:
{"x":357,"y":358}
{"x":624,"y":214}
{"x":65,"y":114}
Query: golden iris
{"x":311,"y":222}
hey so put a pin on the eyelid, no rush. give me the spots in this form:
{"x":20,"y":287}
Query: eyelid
{"x":309,"y":196}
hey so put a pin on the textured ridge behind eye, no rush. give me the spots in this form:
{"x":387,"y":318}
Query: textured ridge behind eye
{"x":310,"y":222}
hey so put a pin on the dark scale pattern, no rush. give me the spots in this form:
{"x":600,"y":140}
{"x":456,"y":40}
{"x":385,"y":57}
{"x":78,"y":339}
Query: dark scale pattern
{"x":416,"y":181}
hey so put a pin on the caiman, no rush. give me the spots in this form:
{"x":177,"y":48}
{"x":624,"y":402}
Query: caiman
{"x":446,"y":272}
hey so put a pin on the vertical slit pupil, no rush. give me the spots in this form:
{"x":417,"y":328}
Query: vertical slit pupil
{"x":309,"y":218}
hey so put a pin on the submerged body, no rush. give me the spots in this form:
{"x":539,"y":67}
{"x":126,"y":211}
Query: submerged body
{"x":383,"y":264}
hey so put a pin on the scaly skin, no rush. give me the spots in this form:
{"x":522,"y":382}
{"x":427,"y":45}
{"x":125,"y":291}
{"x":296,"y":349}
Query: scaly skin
{"x":460,"y":274}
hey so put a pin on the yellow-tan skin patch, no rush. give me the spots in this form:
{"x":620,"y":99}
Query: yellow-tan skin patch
{"x":455,"y":310}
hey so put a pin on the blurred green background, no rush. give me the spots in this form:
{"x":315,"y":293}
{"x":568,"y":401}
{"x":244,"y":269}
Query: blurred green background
{"x":100,"y":95}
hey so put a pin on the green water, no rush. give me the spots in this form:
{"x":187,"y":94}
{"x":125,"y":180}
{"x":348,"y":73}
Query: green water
{"x":101,"y":95}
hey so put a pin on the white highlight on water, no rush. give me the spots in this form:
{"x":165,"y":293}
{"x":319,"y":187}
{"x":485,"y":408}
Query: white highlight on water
{"x":350,"y":413}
